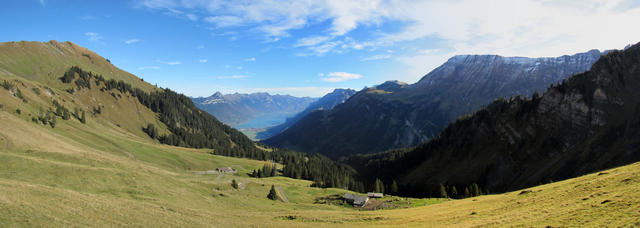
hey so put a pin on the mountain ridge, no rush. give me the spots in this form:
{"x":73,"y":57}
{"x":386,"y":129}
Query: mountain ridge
{"x":238,"y":108}
{"x":584,"y":124}
{"x":326,"y":102}
{"x":415,"y":113}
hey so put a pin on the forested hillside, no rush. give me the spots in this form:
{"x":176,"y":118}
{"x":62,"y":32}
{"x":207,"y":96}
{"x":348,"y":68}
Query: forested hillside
{"x":584,"y":124}
{"x":396,"y":115}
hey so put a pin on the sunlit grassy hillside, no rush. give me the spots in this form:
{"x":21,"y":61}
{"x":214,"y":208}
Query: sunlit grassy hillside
{"x":107,"y":172}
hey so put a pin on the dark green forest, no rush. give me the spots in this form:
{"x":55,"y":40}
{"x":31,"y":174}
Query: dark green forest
{"x":192,"y":127}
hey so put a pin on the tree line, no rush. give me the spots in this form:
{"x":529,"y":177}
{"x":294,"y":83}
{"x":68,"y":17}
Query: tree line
{"x":192,"y":127}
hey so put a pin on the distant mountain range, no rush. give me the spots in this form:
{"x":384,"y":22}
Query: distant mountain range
{"x":327,"y":102}
{"x":397,"y":115}
{"x":255,"y":110}
{"x":584,"y":124}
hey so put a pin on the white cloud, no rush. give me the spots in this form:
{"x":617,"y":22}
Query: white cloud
{"x":131,"y":41}
{"x":311,"y":41}
{"x":233,"y":77}
{"x":339,"y":76}
{"x":506,"y":27}
{"x":43,"y":3}
{"x":376,"y":57}
{"x":225,"y":21}
{"x":200,"y":47}
{"x":92,"y":36}
{"x":252,"y":59}
{"x":149,"y":68}
{"x":191,"y":17}
{"x":169,"y":62}
{"x":203,"y":60}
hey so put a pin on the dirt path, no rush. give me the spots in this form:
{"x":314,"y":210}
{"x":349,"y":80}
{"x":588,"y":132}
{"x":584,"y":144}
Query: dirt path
{"x":282,"y":196}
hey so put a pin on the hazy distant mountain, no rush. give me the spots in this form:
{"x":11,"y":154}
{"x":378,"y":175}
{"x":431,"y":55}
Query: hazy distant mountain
{"x":328,"y":101}
{"x":396,"y":115}
{"x":585,"y":124}
{"x":265,"y":109}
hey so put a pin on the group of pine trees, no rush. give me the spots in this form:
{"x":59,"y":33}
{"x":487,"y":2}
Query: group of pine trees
{"x":189,"y":126}
{"x":9,"y":86}
{"x":452,"y":192}
{"x":265,"y":171}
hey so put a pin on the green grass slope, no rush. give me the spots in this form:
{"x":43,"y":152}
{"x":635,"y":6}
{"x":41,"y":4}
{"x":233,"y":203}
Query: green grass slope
{"x":76,"y":175}
{"x":106,"y":172}
{"x":46,"y":62}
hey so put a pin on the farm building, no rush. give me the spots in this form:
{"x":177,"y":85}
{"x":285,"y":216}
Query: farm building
{"x":374,"y":195}
{"x":225,"y":170}
{"x":355,"y":200}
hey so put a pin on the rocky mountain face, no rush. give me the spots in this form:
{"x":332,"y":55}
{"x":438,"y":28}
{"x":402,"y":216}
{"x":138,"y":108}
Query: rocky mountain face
{"x":397,"y":115}
{"x":585,"y":124}
{"x":237,"y":108}
{"x":327,"y":102}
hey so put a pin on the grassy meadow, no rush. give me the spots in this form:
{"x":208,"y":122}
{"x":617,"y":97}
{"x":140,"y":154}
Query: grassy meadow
{"x":108,"y":173}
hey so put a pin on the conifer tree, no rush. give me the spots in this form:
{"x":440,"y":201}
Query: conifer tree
{"x":234,"y":184}
{"x":443,"y":192}
{"x":394,"y":187}
{"x":272,"y":193}
{"x":475,"y":190}
{"x":466,"y":192}
{"x":379,"y":186}
{"x":454,"y":192}
{"x":82,"y":118}
{"x":53,"y":121}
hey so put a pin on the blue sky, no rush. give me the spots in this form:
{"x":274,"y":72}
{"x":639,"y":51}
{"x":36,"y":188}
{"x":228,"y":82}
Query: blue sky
{"x":308,"y":48}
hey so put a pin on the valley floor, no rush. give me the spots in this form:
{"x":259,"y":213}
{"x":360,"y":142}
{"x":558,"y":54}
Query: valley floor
{"x":75,"y":175}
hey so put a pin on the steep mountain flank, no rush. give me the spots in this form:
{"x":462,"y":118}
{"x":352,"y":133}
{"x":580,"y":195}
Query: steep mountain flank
{"x":57,"y":81}
{"x":584,"y":124}
{"x":396,"y":115}
{"x":327,"y":102}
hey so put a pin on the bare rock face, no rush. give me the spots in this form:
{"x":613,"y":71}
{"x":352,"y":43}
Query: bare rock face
{"x":397,"y":115}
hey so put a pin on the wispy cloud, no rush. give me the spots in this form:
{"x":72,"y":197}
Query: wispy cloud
{"x":311,"y":41}
{"x":149,"y":68}
{"x":203,"y":60}
{"x":252,"y":59}
{"x":191,"y":17}
{"x":225,"y":21}
{"x":169,"y":62}
{"x":376,"y":57}
{"x":92,"y":36}
{"x":506,"y":27}
{"x":131,"y":41}
{"x":43,"y":3}
{"x":339,"y":76}
{"x":233,"y":77}
{"x":200,"y":47}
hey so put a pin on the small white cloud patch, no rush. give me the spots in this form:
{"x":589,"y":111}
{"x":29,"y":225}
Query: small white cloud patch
{"x":252,"y":59}
{"x":92,"y":36}
{"x":203,"y":60}
{"x":169,"y":62}
{"x":376,"y":57}
{"x":233,"y":77}
{"x":149,"y":68}
{"x":339,"y":76}
{"x":131,"y":41}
